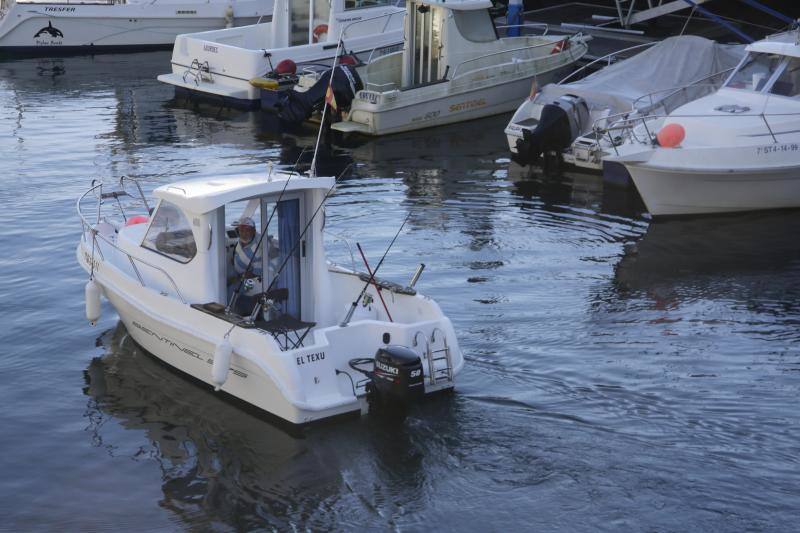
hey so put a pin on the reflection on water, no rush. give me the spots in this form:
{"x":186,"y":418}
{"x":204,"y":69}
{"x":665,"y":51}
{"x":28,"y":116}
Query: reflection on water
{"x":627,"y":375}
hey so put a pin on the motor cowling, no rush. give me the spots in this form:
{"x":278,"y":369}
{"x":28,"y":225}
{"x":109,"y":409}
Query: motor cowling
{"x":560,"y":123}
{"x":398,"y":377}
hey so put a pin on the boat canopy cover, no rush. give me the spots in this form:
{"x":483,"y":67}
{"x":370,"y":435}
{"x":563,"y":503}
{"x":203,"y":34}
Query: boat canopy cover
{"x":672,"y":63}
{"x":203,"y":195}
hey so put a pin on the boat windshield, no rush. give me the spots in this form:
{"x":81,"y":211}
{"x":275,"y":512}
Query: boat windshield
{"x":770,"y":73}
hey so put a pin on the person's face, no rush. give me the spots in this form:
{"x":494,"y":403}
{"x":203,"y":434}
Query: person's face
{"x":246,"y":234}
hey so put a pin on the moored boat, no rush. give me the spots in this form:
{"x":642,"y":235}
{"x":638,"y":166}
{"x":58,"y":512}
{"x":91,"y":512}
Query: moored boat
{"x":737,"y":149}
{"x":228,"y":66}
{"x":453,"y":68}
{"x":59,"y":27}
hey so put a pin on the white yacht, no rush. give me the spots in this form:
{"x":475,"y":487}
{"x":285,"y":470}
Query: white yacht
{"x":565,"y":117}
{"x":453,"y":67}
{"x":62,"y":26}
{"x":305,"y":340}
{"x":227,"y":65}
{"x":737,"y":149}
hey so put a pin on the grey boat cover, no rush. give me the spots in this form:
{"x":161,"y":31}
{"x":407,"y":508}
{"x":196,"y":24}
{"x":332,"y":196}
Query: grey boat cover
{"x":672,"y":63}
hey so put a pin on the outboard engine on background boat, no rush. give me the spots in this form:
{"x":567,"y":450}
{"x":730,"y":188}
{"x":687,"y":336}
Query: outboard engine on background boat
{"x":560,"y":123}
{"x":295,"y":107}
{"x":396,"y":380}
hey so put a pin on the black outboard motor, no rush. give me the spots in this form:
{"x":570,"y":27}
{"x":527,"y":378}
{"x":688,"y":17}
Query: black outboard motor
{"x":295,"y":107}
{"x":560,"y":123}
{"x":397,"y":379}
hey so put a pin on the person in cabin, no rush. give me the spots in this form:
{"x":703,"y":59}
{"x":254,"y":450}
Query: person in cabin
{"x":246,"y":249}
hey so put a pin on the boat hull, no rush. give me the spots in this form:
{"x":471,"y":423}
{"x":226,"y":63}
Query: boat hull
{"x":58,"y":29}
{"x":673,"y":191}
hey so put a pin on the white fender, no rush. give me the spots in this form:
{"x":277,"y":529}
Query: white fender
{"x":222,"y":363}
{"x":92,"y":291}
{"x":229,"y":17}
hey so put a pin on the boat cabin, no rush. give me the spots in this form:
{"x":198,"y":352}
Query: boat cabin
{"x":771,"y":67}
{"x":302,"y":22}
{"x":191,"y":239}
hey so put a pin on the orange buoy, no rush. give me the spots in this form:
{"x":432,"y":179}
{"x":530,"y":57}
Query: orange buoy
{"x":671,"y":135}
{"x":287,"y":66}
{"x":138,"y":219}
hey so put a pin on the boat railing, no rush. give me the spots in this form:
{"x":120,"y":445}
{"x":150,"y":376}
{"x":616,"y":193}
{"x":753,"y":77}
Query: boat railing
{"x":608,"y":59}
{"x":628,"y":126}
{"x":388,"y":17}
{"x":646,"y":112}
{"x":576,"y":38}
{"x":526,"y":25}
{"x":339,"y":238}
{"x":89,"y":228}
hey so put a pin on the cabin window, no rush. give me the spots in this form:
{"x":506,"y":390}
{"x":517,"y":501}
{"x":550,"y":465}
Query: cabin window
{"x":754,"y":72}
{"x":788,"y":81}
{"x":475,"y":25}
{"x":170,"y":234}
{"x":358,"y":4}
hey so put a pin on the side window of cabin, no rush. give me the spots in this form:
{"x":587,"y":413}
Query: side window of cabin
{"x":170,"y":234}
{"x":475,"y":25}
{"x":788,"y":82}
{"x":358,"y":4}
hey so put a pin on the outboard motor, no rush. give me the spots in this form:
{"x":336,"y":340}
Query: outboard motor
{"x":295,"y":107}
{"x":397,"y":379}
{"x":560,"y":123}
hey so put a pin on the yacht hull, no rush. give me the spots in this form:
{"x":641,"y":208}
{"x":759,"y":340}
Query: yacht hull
{"x":675,"y":190}
{"x":58,"y":28}
{"x":439,"y":109}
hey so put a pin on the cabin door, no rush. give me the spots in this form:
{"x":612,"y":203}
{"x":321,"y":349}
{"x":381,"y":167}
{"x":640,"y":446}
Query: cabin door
{"x":280,"y":247}
{"x":427,"y":42}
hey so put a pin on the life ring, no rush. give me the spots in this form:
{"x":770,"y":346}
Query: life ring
{"x":319,"y":31}
{"x":560,"y":46}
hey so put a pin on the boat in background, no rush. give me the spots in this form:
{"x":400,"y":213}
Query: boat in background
{"x":229,"y":66}
{"x":64,"y":27}
{"x":737,"y":149}
{"x":453,"y":68}
{"x":566,"y":118}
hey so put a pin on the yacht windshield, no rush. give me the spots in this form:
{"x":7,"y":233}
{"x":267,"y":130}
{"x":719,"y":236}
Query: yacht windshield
{"x":788,"y":81}
{"x":170,"y":234}
{"x":754,"y":72}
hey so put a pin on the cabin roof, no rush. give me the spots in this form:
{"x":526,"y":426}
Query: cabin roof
{"x":784,"y":44}
{"x":201,"y":195}
{"x":456,"y":5}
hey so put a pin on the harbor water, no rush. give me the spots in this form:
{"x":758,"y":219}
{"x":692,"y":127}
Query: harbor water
{"x":621,"y":375}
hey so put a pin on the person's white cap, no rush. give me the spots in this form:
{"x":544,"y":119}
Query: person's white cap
{"x":246,"y":221}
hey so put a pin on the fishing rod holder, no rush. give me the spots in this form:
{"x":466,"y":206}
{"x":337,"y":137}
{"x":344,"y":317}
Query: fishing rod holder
{"x":416,"y":275}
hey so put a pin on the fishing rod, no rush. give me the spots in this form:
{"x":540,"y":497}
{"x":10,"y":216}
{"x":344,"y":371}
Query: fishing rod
{"x":377,"y":288}
{"x":235,"y":295}
{"x":372,"y":276}
{"x":328,"y":95}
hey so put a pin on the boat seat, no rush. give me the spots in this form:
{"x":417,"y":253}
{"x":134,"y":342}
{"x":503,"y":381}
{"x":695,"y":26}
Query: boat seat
{"x":287,"y":331}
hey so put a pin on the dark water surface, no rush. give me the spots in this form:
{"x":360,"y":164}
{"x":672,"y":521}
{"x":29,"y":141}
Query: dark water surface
{"x":620,"y":375}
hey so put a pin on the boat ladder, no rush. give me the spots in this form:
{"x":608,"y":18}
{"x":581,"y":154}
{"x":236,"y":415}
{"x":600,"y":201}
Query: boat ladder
{"x":436,"y":372}
{"x":198,"y":72}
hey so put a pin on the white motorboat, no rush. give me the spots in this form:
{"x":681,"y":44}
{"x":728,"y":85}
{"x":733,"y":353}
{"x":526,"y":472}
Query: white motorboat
{"x":565,"y":118}
{"x":310,"y":339}
{"x":453,"y":67}
{"x":226,"y":65}
{"x":62,"y":26}
{"x":737,"y":149}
